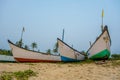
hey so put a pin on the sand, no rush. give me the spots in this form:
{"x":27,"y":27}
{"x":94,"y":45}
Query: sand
{"x":66,"y":71}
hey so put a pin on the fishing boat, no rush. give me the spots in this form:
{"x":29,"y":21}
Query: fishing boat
{"x":6,"y":58}
{"x":100,"y":49}
{"x":68,"y":53}
{"x":22,"y":55}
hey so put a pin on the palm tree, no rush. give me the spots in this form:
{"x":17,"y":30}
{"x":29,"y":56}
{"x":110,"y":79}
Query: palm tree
{"x":26,"y":47}
{"x":49,"y":51}
{"x":34,"y":45}
{"x":56,"y":47}
{"x":85,"y":54}
{"x":19,"y":43}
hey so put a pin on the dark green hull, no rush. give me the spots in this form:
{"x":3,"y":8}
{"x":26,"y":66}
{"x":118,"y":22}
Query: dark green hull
{"x":105,"y":54}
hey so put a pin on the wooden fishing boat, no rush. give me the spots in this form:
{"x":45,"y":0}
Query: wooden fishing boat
{"x":100,"y":49}
{"x":6,"y":58}
{"x":23,"y":55}
{"x":67,"y":53}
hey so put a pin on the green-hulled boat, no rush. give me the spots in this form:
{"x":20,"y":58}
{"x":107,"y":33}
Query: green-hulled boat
{"x":100,"y":49}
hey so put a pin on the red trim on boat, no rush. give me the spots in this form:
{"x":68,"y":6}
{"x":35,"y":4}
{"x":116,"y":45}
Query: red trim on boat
{"x":33,"y":60}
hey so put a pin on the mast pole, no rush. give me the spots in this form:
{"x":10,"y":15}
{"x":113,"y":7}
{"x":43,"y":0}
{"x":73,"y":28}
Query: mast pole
{"x":21,"y":37}
{"x":102,"y":19}
{"x":63,"y":35}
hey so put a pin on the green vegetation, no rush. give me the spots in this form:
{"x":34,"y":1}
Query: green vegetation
{"x":26,"y":47}
{"x":24,"y":75}
{"x":116,"y":63}
{"x":20,"y":75}
{"x":5,"y":52}
{"x":55,"y":50}
{"x":49,"y":51}
{"x":34,"y":45}
{"x":115,"y":56}
{"x":19,"y":43}
{"x":6,"y":76}
{"x":85,"y":54}
{"x":88,"y":61}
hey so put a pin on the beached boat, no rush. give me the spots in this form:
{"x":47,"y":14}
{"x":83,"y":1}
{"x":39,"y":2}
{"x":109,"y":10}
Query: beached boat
{"x":6,"y":58}
{"x":23,"y":55}
{"x":67,"y":53}
{"x":100,"y":49}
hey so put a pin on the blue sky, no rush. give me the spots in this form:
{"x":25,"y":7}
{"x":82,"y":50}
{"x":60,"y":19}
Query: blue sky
{"x":44,"y":21}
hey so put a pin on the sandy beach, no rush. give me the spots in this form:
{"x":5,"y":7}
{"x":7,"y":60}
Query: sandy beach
{"x":66,"y":71}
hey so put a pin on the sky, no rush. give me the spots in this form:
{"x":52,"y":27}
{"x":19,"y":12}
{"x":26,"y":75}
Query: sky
{"x":44,"y":21}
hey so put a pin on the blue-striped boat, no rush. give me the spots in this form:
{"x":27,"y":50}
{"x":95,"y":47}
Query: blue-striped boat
{"x":68,"y":53}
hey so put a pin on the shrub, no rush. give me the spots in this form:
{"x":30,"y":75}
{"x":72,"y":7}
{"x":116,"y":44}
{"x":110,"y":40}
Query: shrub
{"x":5,"y":52}
{"x":6,"y":76}
{"x":24,"y":75}
{"x":115,"y":56}
{"x":20,"y":75}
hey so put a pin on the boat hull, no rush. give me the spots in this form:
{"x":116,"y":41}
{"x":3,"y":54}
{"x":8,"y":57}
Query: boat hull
{"x":67,"y":53}
{"x":6,"y":58}
{"x":33,"y":60}
{"x":66,"y":59}
{"x":23,"y":55}
{"x":100,"y":49}
{"x":101,"y":55}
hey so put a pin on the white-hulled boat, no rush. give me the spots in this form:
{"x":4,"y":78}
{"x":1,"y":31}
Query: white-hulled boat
{"x":6,"y":58}
{"x":67,"y":53}
{"x":23,"y":55}
{"x":100,"y":49}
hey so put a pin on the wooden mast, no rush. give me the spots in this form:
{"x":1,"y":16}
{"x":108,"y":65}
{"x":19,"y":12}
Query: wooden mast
{"x":21,"y":37}
{"x":63,"y":35}
{"x":102,"y":20}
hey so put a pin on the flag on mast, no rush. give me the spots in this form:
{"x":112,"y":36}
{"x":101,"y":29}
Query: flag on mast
{"x":102,"y":13}
{"x":102,"y":26}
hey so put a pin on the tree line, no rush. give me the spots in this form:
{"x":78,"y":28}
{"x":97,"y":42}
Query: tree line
{"x":5,"y":52}
{"x":48,"y":51}
{"x":34,"y":46}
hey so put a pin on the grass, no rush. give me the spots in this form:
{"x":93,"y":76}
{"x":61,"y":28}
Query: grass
{"x":20,"y":75}
{"x":115,"y":56}
{"x":88,"y":61}
{"x":76,"y":62}
{"x":116,"y":63}
{"x":6,"y":76}
{"x":108,"y":63}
